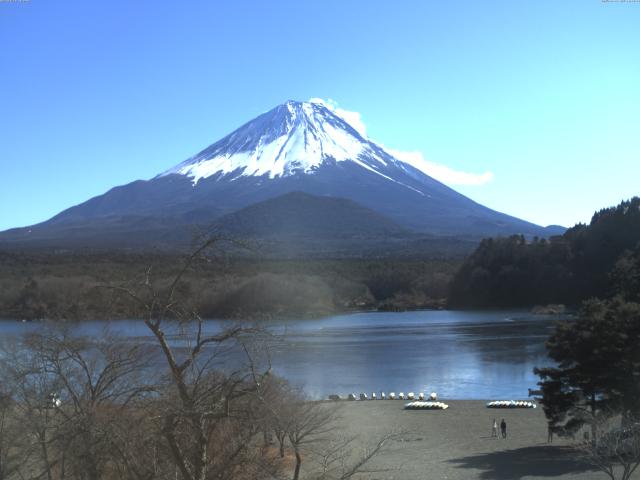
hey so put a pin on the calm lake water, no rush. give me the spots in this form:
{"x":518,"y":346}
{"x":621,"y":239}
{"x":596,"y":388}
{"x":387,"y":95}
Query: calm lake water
{"x":460,"y":355}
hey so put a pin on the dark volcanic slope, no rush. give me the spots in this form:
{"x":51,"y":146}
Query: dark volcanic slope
{"x":302,"y":215}
{"x":302,"y":225}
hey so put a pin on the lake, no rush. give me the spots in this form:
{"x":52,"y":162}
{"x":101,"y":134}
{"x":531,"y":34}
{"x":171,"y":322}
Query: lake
{"x":458,"y":354}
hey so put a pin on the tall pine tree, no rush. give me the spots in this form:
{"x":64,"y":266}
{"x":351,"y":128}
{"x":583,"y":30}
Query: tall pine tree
{"x":598,"y":366}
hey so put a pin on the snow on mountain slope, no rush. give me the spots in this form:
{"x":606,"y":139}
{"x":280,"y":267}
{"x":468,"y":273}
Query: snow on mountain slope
{"x":294,"y":138}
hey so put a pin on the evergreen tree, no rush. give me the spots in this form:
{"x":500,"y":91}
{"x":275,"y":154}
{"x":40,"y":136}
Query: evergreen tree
{"x":587,"y":261}
{"x":625,"y":277}
{"x":598,"y":366}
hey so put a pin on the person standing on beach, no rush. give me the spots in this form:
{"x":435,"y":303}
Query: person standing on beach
{"x":503,"y":428}
{"x":494,"y":429}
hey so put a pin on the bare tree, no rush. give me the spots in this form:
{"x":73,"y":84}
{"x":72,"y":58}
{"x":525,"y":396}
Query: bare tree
{"x":203,"y":407}
{"x":308,"y":424}
{"x":310,"y":430}
{"x":30,"y":387}
{"x":69,"y":392}
{"x":12,"y":439}
{"x":338,"y":459}
{"x":616,"y":451}
{"x":273,"y":410}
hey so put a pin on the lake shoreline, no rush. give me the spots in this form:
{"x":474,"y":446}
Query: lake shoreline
{"x":257,"y":318}
{"x":308,"y":316}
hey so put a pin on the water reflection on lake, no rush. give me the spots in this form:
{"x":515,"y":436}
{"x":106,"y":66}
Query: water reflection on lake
{"x":465,"y":355}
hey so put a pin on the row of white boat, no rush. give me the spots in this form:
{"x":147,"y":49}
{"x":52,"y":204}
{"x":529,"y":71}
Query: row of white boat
{"x":383,"y":396}
{"x":511,"y":404}
{"x":426,"y":406}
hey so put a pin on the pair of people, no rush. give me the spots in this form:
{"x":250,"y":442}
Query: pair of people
{"x":503,"y":428}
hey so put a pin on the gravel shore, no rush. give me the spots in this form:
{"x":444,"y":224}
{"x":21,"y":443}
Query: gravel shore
{"x":456,"y":443}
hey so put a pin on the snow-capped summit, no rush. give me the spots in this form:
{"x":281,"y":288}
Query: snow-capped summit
{"x":293,"y":138}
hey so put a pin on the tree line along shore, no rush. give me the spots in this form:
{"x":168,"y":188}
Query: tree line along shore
{"x":74,"y":286}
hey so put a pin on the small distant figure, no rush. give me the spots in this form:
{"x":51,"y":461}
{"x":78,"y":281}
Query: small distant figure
{"x":494,"y":429}
{"x":433,"y":397}
{"x":549,"y":434}
{"x":503,"y":428}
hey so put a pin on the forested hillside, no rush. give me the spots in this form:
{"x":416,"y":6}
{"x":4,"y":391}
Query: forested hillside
{"x":595,"y":260}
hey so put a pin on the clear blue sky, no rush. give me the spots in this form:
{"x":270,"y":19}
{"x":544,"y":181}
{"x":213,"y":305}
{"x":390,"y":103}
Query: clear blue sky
{"x":545,"y":95}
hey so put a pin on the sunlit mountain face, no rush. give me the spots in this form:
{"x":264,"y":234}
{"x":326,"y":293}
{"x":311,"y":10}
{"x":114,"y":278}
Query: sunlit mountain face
{"x":301,"y":147}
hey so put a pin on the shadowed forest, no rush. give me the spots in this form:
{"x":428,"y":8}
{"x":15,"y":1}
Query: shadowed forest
{"x":75,"y":286}
{"x":596,"y":260}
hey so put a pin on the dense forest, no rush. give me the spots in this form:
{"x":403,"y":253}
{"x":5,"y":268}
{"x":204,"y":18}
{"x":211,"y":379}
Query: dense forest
{"x":77,"y":286}
{"x":596,"y":260}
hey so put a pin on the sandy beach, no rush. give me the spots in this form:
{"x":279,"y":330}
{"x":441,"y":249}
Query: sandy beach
{"x":456,"y":443}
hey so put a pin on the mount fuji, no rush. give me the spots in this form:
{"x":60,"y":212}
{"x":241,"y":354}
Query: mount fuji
{"x":302,"y":153}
